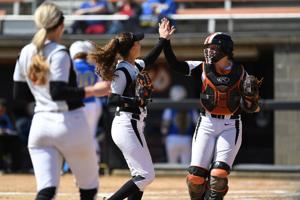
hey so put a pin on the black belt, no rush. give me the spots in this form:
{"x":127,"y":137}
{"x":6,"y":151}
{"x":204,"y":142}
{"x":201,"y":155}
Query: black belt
{"x":134,"y":110}
{"x":133,"y":115}
{"x":220,"y":116}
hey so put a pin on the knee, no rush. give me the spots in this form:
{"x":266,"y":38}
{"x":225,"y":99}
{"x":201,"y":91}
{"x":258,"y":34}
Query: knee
{"x":46,"y":193}
{"x":143,"y":181}
{"x":197,"y":175}
{"x":218,"y":182}
{"x":88,"y":194}
{"x":219,"y":173}
{"x":220,"y":169}
{"x":196,"y":181}
{"x":149,"y":178}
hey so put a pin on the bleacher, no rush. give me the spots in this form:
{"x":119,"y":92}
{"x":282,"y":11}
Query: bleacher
{"x":192,"y":16}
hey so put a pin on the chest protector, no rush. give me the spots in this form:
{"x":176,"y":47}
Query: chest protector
{"x":221,"y":93}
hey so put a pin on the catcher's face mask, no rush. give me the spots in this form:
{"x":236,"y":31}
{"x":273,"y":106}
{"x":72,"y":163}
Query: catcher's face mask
{"x":213,"y":53}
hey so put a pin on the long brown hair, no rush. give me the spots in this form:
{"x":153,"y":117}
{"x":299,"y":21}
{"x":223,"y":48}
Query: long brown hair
{"x":105,"y":58}
{"x":47,"y":18}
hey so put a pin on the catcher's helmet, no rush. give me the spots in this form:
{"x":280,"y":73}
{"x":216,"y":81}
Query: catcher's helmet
{"x":224,"y":47}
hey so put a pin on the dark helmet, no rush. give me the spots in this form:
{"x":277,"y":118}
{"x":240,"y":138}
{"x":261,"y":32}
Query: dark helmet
{"x":224,"y":45}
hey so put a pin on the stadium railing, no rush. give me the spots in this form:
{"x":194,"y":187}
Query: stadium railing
{"x":17,"y":4}
{"x":210,"y":15}
{"x":213,"y":14}
{"x":2,"y":13}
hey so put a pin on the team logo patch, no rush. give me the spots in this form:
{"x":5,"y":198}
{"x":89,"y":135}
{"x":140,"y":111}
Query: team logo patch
{"x":223,"y":79}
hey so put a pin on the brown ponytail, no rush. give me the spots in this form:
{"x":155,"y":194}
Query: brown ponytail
{"x":105,"y":58}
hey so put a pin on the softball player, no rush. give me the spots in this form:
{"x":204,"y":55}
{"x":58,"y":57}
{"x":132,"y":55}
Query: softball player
{"x":178,"y":126}
{"x":218,"y":134}
{"x":128,"y":124}
{"x":86,"y":76}
{"x":59,"y":128}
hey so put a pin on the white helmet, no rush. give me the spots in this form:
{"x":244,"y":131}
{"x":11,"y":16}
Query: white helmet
{"x":80,"y":47}
{"x":177,"y":93}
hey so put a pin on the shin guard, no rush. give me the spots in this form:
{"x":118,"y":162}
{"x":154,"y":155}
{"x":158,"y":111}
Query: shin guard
{"x":196,"y":182}
{"x":218,"y":187}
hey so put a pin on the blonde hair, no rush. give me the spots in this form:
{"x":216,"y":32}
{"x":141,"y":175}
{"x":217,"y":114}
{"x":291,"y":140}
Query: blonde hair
{"x":47,"y":18}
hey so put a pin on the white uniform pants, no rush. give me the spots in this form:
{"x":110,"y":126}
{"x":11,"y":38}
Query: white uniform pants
{"x":128,"y":135}
{"x":54,"y":136}
{"x":216,"y":140}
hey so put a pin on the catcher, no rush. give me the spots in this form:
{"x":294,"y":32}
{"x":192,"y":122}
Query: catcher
{"x":131,"y":91}
{"x":226,"y":91}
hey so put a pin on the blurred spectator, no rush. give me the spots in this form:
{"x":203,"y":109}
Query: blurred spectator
{"x":86,"y":76}
{"x":178,"y":126}
{"x":132,"y":10}
{"x":6,"y":124}
{"x":91,"y":7}
{"x":153,"y":11}
{"x":23,"y":121}
{"x":10,"y":145}
{"x":23,"y":114}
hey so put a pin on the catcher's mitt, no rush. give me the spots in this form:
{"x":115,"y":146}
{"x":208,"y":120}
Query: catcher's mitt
{"x":250,"y":93}
{"x":143,"y":88}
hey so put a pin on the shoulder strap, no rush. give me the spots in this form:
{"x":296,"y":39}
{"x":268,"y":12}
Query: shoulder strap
{"x":139,"y":67}
{"x":128,"y":77}
{"x":59,"y":50}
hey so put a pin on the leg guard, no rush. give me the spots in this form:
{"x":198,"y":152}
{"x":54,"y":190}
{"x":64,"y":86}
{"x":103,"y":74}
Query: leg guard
{"x":218,"y":187}
{"x":89,"y":194}
{"x":221,"y":165}
{"x":196,"y":182}
{"x":46,"y":193}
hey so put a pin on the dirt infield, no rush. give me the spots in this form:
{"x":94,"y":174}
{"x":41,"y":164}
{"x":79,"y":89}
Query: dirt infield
{"x":22,"y":187}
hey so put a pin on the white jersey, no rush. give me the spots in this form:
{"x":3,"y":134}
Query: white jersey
{"x":56,"y":135}
{"x":60,"y":65}
{"x":120,"y":82}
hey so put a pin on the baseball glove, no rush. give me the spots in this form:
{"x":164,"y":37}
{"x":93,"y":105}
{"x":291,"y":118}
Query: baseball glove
{"x":250,"y":93}
{"x":143,"y":88}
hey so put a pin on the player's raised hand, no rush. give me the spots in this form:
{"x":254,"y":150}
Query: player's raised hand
{"x":165,"y":29}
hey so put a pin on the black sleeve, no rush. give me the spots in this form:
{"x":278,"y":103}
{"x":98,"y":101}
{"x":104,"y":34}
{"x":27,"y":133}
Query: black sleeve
{"x":179,"y":66}
{"x":151,"y":57}
{"x":60,"y":90}
{"x":118,"y":100}
{"x":22,"y":92}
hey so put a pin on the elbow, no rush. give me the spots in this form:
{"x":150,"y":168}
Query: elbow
{"x":55,"y":94}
